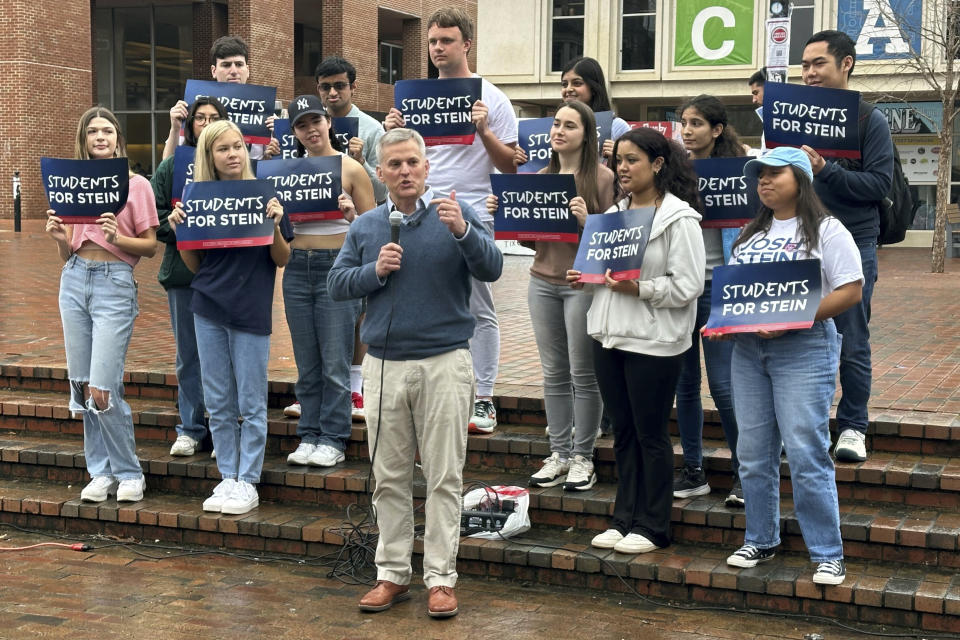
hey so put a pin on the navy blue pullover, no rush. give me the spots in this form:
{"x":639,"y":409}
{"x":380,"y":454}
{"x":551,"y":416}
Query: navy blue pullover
{"x":429,"y":294}
{"x":853,"y":194}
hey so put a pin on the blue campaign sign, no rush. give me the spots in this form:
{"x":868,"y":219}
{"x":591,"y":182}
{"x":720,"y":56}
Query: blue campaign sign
{"x":825,"y":119}
{"x":440,"y":110}
{"x":283,"y":134}
{"x":308,"y":188}
{"x":768,"y":296}
{"x":882,"y":29}
{"x":615,"y":241}
{"x":182,"y":171}
{"x":533,"y":135}
{"x":226,"y":213}
{"x":604,"y":126}
{"x":345,"y":128}
{"x":81,"y":190}
{"x":534,"y":207}
{"x":247,"y":104}
{"x":729,"y":199}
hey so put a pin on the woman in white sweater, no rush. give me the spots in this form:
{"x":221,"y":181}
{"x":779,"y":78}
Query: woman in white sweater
{"x":641,"y":328}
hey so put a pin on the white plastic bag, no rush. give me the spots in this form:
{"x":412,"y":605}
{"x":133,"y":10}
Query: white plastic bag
{"x":484,"y":498}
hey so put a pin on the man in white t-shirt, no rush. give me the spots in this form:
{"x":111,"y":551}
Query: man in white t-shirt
{"x":467,"y":168}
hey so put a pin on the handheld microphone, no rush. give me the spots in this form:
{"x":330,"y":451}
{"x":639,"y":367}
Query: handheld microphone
{"x":395,"y":219}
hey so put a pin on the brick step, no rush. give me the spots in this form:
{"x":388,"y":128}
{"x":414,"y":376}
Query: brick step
{"x":917,"y":432}
{"x":876,"y":592}
{"x":875,"y":531}
{"x":900,"y":478}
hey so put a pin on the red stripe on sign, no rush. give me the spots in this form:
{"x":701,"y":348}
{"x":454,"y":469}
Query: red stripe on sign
{"x":225,"y":243}
{"x":753,"y":328}
{"x":632,"y":274}
{"x":732,"y":223}
{"x":534,"y":236}
{"x":434,"y":141}
{"x":826,"y":153}
{"x":592,"y":278}
{"x":256,"y":139}
{"x":307,"y":216}
{"x":79,"y":219}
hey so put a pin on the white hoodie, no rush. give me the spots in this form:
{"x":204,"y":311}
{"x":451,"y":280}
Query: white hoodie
{"x":658,"y":322}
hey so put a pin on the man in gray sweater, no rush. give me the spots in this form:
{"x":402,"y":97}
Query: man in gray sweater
{"x":418,"y":375}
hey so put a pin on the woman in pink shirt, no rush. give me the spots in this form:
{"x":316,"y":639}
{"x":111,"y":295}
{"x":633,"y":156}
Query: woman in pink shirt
{"x":98,"y":303}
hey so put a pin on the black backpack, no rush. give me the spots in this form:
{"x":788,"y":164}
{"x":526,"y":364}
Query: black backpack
{"x":897,"y":208}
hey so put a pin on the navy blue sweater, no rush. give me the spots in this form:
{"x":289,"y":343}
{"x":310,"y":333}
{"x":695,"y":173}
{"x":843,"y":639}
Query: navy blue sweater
{"x":852,"y":191}
{"x":430,"y":294}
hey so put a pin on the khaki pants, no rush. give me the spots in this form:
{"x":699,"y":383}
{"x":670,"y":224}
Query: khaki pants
{"x":425,"y":403}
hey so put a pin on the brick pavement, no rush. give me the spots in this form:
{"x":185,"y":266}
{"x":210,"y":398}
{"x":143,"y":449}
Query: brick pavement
{"x":916,"y":325}
{"x":112,"y":593}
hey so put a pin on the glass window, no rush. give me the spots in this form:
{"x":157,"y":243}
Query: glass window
{"x":638,"y":34}
{"x":801,"y":28}
{"x":567,"y":37}
{"x":308,"y":48}
{"x":391,"y":63}
{"x":143,"y":58}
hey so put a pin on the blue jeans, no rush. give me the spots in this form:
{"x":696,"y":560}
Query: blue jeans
{"x":716,"y":354}
{"x":322,"y":331}
{"x":190,"y":387}
{"x":782,"y":390}
{"x":98,"y":303}
{"x":234,"y":365}
{"x":571,"y":396}
{"x":856,"y":373}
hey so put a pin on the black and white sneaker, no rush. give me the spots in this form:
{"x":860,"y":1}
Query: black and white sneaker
{"x":553,"y":472}
{"x":735,"y":499}
{"x":831,"y":572}
{"x":691,"y":482}
{"x":749,"y":556}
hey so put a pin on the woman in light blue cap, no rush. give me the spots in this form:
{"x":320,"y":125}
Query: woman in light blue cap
{"x":784,"y":381}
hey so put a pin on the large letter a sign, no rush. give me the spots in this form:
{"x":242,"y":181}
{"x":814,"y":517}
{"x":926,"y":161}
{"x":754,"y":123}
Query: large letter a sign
{"x":882,"y":29}
{"x":713,"y":32}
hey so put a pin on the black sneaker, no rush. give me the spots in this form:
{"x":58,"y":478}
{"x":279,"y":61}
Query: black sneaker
{"x":735,"y":499}
{"x":749,"y":556}
{"x":832,"y":572}
{"x":692,"y":482}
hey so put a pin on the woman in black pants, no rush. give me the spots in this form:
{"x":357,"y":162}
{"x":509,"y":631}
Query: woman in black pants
{"x":641,"y":328}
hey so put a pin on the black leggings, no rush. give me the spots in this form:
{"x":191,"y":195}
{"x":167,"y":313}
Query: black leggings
{"x":638,"y":392}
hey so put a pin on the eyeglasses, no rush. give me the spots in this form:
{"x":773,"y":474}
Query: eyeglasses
{"x":339,"y":86}
{"x":202,"y":119}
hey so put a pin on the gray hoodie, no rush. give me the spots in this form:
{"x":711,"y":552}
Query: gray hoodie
{"x":658,"y":322}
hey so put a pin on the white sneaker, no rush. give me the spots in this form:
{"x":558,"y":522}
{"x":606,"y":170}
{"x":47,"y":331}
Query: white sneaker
{"x":131,"y":490}
{"x":302,"y":454}
{"x":634,"y":543}
{"x":606,"y":540}
{"x":220,"y":493}
{"x":184,"y":446}
{"x":553,"y":472}
{"x":326,"y":456}
{"x":293,"y":411}
{"x":484,"y":418}
{"x":243,"y":498}
{"x":99,"y":489}
{"x":581,"y":476}
{"x":851,"y":446}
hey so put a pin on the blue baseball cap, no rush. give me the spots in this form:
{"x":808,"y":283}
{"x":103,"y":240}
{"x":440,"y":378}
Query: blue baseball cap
{"x":780,"y":157}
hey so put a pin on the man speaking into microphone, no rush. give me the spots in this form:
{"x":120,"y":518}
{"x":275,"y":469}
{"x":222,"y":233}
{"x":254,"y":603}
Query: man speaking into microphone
{"x":417,"y":375}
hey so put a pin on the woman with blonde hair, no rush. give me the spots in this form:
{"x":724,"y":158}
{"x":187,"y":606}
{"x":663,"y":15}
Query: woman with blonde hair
{"x":232,"y":309}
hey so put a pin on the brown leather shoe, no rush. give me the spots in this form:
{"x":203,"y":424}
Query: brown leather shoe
{"x":442,"y":602}
{"x":385,"y":595}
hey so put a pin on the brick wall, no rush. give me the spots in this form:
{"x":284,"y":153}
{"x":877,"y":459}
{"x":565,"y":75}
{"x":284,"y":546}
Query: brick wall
{"x":46,"y":83}
{"x":267,"y":26}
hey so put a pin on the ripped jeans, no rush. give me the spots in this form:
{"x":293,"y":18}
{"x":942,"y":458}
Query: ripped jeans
{"x":98,"y":303}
